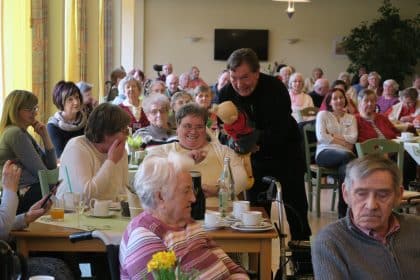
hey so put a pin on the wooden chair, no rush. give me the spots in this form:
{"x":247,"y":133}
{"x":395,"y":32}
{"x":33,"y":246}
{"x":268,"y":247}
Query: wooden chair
{"x":315,"y":176}
{"x":307,"y":112}
{"x":47,"y":178}
{"x":382,"y":146}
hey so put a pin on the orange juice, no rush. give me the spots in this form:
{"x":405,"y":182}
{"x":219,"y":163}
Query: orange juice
{"x":57,"y":213}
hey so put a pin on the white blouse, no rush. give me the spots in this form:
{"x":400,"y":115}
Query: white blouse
{"x":328,"y":125}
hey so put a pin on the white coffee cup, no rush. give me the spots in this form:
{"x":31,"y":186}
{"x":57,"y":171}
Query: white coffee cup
{"x":211,"y":218}
{"x":239,"y":207}
{"x":99,"y":207}
{"x":407,"y":135}
{"x":252,"y":218}
{"x":41,"y":277}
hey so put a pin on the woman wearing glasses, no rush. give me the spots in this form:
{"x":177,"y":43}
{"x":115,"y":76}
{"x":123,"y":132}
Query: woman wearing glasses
{"x":16,"y":144}
{"x":208,"y":155}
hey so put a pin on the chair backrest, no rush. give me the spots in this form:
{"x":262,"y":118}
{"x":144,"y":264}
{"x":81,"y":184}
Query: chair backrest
{"x":47,"y":178}
{"x":382,"y":146}
{"x":309,"y":141}
{"x":307,"y":112}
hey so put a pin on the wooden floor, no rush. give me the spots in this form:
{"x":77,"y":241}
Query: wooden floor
{"x":316,"y":223}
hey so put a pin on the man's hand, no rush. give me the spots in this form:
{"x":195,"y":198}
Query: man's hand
{"x":37,"y":211}
{"x":11,"y":176}
{"x":116,"y":151}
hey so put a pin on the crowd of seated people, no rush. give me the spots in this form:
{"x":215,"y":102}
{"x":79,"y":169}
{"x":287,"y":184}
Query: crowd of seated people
{"x":348,"y":114}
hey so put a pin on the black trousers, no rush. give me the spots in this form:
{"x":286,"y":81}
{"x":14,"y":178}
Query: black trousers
{"x":291,"y":178}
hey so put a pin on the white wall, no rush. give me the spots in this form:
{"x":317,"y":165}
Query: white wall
{"x":167,"y":23}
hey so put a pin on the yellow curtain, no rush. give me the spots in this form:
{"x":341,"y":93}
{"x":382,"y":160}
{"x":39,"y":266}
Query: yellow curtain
{"x":15,"y":46}
{"x":71,"y":40}
{"x":101,"y":52}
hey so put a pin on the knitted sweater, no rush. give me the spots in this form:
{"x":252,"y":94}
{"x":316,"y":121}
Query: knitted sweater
{"x":17,"y":144}
{"x":90,"y":171}
{"x":342,"y":251}
{"x":146,"y":235}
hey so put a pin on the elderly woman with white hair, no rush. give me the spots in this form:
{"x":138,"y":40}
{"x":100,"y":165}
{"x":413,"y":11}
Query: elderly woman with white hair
{"x":132,"y":103}
{"x":156,"y":108}
{"x":164,"y":186}
{"x":388,"y":98}
{"x":299,"y":99}
{"x":374,"y":82}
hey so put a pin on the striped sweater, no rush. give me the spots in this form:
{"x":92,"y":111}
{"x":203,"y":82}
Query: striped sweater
{"x":146,"y":235}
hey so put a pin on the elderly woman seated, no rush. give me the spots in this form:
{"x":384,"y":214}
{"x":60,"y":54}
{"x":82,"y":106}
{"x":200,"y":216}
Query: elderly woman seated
{"x":164,"y":186}
{"x":156,"y":107}
{"x":96,"y":163}
{"x":373,"y":125}
{"x":208,"y":155}
{"x":299,"y":99}
{"x":403,"y":114}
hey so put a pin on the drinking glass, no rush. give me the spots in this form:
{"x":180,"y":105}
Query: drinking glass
{"x":79,"y":206}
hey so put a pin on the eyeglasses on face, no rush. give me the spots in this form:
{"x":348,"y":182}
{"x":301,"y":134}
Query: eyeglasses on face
{"x":34,"y":109}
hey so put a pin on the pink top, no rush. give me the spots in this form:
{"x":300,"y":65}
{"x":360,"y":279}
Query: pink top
{"x":146,"y":235}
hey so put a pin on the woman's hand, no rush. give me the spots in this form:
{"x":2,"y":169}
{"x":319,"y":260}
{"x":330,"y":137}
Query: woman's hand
{"x":11,"y":175}
{"x":197,"y":155}
{"x":40,"y":128}
{"x":210,"y":190}
{"x":37,"y":211}
{"x":408,"y":119}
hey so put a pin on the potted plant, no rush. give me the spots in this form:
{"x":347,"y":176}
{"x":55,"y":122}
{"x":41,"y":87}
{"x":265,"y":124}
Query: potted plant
{"x":389,"y":45}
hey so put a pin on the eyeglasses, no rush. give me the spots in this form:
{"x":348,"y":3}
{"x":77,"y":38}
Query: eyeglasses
{"x":35,"y":109}
{"x":190,"y":127}
{"x":155,"y":111}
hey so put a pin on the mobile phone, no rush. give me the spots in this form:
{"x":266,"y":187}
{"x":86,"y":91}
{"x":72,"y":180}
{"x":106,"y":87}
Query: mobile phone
{"x":53,"y":189}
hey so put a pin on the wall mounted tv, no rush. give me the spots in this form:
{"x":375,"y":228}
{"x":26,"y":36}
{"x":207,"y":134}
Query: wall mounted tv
{"x":228,"y":40}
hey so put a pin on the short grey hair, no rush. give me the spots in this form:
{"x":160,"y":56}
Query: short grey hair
{"x":124,"y":81}
{"x":157,"y":174}
{"x":393,"y":84}
{"x":411,"y":93}
{"x":191,"y":109}
{"x":180,"y":94}
{"x":155,"y":98}
{"x":320,"y":82}
{"x":367,"y":92}
{"x":363,"y":167}
{"x":293,"y":78}
{"x":202,"y":88}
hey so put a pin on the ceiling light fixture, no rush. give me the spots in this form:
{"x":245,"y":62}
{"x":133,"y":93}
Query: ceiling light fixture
{"x":290,"y":11}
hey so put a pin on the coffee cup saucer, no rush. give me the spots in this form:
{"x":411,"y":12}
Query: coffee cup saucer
{"x":263,"y":226}
{"x":109,"y":215}
{"x":218,"y":225}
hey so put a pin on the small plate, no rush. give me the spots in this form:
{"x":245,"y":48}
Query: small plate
{"x":216,"y":226}
{"x":264,"y":226}
{"x":90,"y":214}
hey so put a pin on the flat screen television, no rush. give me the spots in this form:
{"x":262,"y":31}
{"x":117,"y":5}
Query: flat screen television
{"x":228,"y":40}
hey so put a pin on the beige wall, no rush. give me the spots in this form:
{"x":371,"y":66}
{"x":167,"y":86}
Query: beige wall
{"x":167,"y":24}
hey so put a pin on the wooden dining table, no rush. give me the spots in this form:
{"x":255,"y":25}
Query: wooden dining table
{"x":42,"y":237}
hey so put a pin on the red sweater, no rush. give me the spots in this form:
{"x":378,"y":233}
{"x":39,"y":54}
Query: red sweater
{"x":366,"y":130}
{"x":134,"y":124}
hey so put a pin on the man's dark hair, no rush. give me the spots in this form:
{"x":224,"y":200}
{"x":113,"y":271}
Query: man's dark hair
{"x":106,"y":119}
{"x":244,"y":55}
